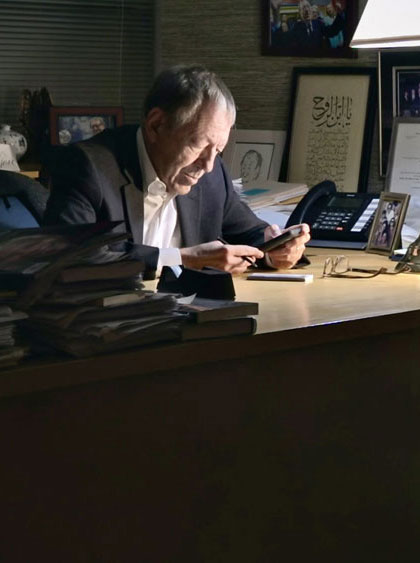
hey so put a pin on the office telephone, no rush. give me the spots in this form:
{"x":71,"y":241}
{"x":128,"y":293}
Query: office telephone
{"x":337,"y":219}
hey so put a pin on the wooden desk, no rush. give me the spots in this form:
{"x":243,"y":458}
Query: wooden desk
{"x":299,"y":443}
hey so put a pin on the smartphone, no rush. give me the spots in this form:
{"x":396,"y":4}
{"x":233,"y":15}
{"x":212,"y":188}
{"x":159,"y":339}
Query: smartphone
{"x":281,"y":239}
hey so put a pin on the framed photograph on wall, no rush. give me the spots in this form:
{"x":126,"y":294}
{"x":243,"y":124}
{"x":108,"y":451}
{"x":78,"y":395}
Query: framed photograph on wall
{"x":331,"y":126}
{"x":387,"y":224}
{"x":399,"y":94}
{"x":309,"y":28}
{"x":72,"y":124}
{"x":254,"y":155}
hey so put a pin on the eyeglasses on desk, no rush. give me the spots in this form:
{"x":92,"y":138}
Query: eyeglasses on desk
{"x":339,"y":267}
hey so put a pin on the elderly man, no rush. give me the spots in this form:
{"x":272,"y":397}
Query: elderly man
{"x":167,"y":182}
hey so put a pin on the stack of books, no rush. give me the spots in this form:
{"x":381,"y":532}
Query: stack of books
{"x":216,"y":318}
{"x":81,"y":297}
{"x":84,"y":299}
{"x":12,"y":350}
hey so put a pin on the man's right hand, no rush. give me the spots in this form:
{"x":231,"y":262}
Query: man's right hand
{"x":226,"y":257}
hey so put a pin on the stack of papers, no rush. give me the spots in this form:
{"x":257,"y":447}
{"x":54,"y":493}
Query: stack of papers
{"x":269,"y":192}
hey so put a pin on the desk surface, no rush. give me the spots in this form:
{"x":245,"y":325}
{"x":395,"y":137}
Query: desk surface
{"x":325,"y":311}
{"x":292,"y":305}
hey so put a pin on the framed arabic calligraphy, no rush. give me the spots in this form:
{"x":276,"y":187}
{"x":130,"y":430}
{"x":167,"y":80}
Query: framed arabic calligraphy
{"x":331,"y":126}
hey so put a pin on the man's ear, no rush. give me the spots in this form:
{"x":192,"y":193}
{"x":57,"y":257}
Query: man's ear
{"x":154,"y":123}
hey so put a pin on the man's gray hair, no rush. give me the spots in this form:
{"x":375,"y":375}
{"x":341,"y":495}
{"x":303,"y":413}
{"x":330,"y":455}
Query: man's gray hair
{"x":181,"y":91}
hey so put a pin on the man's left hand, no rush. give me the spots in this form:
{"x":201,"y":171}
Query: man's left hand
{"x":287,"y":255}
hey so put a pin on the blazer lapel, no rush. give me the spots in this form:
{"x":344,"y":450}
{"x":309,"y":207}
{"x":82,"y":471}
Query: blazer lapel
{"x":132,"y":192}
{"x":189,"y":214}
{"x":133,"y":211}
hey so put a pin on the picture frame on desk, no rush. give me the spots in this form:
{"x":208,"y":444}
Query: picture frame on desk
{"x":330,"y":128}
{"x":72,"y":124}
{"x":385,"y":234}
{"x":309,"y":28}
{"x":398,"y":72}
{"x":254,"y":155}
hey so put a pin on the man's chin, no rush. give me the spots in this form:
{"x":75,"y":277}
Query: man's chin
{"x":186,"y":186}
{"x":179,"y":189}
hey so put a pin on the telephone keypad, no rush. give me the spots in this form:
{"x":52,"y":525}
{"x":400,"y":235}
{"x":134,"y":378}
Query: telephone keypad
{"x":340,"y":219}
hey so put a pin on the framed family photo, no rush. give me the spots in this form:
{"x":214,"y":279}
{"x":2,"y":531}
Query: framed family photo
{"x":331,"y":124}
{"x":254,"y":155}
{"x":399,"y":94}
{"x":72,"y":124}
{"x":387,"y":224}
{"x":309,"y":28}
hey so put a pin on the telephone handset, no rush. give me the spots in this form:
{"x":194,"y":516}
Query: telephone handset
{"x":337,"y":219}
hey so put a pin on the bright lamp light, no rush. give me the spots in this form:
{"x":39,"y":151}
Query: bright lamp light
{"x":388,"y":23}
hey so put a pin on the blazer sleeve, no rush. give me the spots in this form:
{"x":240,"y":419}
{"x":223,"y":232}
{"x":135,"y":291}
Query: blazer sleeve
{"x":85,"y":188}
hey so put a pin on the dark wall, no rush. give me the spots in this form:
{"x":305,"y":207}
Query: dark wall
{"x":225,"y":35}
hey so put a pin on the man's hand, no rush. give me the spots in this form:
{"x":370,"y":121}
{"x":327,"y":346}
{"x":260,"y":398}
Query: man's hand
{"x":226,"y":257}
{"x":287,"y":255}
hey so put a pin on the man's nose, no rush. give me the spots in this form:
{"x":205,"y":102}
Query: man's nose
{"x":207,"y":159}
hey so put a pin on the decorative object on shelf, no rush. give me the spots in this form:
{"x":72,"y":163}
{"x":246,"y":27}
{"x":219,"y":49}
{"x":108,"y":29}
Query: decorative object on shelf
{"x":72,"y":124}
{"x":303,"y":28}
{"x":7,"y":158}
{"x":389,"y":217}
{"x":14,"y":139}
{"x":331,"y":127}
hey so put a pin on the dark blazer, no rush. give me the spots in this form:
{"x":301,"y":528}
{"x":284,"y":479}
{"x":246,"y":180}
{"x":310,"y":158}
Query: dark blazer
{"x":100,"y":179}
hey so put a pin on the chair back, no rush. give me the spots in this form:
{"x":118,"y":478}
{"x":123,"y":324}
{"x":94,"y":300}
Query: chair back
{"x":22,"y":201}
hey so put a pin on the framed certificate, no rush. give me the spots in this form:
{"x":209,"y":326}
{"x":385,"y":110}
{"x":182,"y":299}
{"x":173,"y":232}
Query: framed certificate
{"x":331,"y":125}
{"x":403,"y":173}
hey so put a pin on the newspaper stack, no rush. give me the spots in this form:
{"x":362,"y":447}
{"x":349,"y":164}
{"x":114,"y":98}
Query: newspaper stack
{"x":80,"y":295}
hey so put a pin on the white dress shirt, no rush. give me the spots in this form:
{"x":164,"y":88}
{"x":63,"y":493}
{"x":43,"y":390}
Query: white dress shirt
{"x":161,"y":226}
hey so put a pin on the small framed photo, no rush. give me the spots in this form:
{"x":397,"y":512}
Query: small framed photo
{"x":72,"y":124}
{"x":309,"y":28}
{"x":331,"y":127}
{"x":387,"y":224}
{"x":254,"y":155}
{"x":399,"y":94}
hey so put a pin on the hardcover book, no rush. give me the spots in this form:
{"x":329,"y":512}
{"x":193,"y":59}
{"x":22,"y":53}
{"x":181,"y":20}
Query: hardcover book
{"x":203,"y":310}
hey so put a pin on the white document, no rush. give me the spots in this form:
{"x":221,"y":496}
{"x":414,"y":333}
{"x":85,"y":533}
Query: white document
{"x":404,"y":176}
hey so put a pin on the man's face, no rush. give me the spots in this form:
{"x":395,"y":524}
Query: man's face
{"x":182,"y":155}
{"x":97,"y":125}
{"x":305,"y":10}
